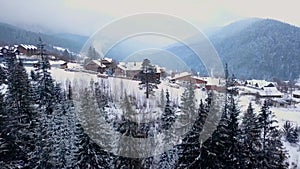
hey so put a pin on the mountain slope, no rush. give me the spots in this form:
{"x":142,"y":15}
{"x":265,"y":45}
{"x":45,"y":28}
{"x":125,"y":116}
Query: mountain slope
{"x":13,"y":35}
{"x":259,"y":48}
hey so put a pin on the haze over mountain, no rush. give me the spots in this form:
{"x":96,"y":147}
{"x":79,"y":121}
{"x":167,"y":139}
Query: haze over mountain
{"x":253,"y":48}
{"x":14,"y":35}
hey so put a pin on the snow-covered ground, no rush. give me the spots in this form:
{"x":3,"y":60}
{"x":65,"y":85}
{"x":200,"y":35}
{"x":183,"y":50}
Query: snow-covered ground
{"x":282,"y":114}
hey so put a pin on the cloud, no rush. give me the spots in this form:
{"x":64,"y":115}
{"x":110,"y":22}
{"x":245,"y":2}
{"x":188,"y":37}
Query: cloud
{"x":86,"y":17}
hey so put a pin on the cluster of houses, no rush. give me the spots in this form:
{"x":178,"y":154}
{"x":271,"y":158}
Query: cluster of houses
{"x":269,"y":91}
{"x":258,"y":88}
{"x":128,"y":70}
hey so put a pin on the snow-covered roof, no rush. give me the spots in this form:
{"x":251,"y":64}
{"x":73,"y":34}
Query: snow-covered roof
{"x":135,"y":66}
{"x":297,"y":92}
{"x":58,"y":62}
{"x":108,"y":59}
{"x":180,"y":75}
{"x":130,"y":65}
{"x":260,"y":83}
{"x":198,"y":78}
{"x":270,"y":91}
{"x":97,"y":62}
{"x":29,"y":47}
{"x":213,"y":81}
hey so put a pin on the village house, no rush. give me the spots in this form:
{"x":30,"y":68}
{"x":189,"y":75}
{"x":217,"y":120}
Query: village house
{"x":270,"y":91}
{"x":186,"y":77}
{"x":131,"y":70}
{"x":27,"y":50}
{"x":110,"y":65}
{"x":95,"y":65}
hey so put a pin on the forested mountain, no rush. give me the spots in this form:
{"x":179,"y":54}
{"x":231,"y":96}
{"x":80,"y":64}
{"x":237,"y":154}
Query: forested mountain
{"x":13,"y":35}
{"x":254,"y":48}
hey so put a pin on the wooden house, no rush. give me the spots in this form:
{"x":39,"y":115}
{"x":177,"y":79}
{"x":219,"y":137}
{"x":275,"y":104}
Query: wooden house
{"x":95,"y":65}
{"x":27,"y":50}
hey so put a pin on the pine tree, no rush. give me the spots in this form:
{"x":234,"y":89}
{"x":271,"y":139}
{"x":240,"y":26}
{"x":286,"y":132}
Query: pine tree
{"x":188,"y":106}
{"x":272,"y":153}
{"x":290,"y":132}
{"x":250,"y":135}
{"x":148,"y":77}
{"x":89,"y":154}
{"x":190,"y":149}
{"x":222,"y":149}
{"x":2,"y":75}
{"x":18,"y":118}
{"x":92,"y":53}
{"x":45,"y":100}
{"x":168,"y":116}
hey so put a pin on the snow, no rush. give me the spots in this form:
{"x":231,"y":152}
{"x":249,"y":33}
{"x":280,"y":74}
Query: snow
{"x":261,"y":83}
{"x":133,"y":66}
{"x":108,"y":59}
{"x":270,"y":91}
{"x":97,"y":62}
{"x":130,"y":65}
{"x":297,"y":92}
{"x":180,"y":75}
{"x":29,"y":47}
{"x":291,"y":113}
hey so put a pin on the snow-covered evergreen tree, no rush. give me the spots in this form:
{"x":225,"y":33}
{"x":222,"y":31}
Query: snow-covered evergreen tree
{"x":188,"y":105}
{"x":168,"y":116}
{"x":18,"y":118}
{"x":148,"y":77}
{"x":290,"y":132}
{"x":221,"y":150}
{"x":272,"y":153}
{"x":250,"y":138}
{"x":190,"y":149}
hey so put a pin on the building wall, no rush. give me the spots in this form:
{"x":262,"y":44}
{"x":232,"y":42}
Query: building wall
{"x":93,"y":67}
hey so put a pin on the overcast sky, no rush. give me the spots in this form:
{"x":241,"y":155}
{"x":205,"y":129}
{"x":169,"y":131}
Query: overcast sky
{"x":87,"y":16}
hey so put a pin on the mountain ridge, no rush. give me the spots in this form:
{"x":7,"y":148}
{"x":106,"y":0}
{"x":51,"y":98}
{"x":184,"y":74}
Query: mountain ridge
{"x":262,"y":49}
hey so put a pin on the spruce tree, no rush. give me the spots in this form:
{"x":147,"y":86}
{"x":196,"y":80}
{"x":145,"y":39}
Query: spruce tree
{"x":18,"y":119}
{"x":250,"y":138}
{"x":148,"y":77}
{"x":222,"y":149}
{"x":272,"y":153}
{"x":168,"y":116}
{"x":290,"y":132}
{"x":190,"y":149}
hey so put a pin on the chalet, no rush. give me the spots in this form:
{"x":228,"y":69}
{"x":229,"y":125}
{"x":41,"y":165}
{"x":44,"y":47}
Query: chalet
{"x":198,"y":81}
{"x":95,"y":65}
{"x":110,"y":65}
{"x":27,"y":50}
{"x":131,"y":70}
{"x":270,"y":91}
{"x":181,"y":78}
